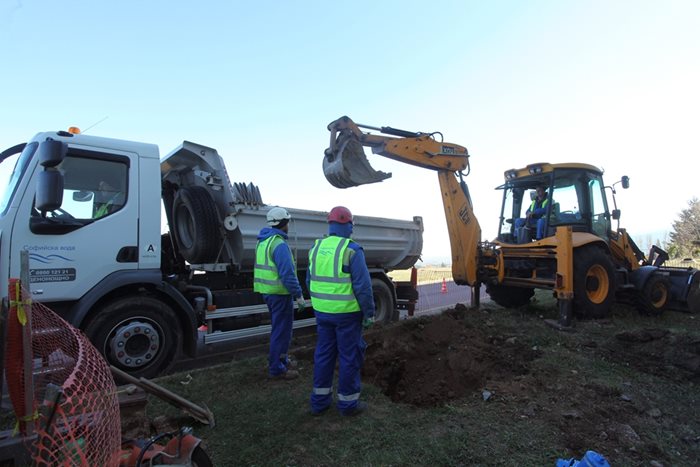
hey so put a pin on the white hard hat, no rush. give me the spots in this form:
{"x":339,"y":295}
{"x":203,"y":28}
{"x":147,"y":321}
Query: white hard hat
{"x":276,"y":215}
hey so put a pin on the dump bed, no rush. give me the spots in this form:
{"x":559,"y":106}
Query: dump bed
{"x":241,"y":213}
{"x":388,"y":243}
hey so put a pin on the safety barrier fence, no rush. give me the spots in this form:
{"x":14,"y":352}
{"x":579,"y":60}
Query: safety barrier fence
{"x":60,"y":387}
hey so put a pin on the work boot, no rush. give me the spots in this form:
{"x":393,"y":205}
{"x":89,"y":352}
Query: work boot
{"x":357,"y":410}
{"x":291,"y":364}
{"x":287,"y":375}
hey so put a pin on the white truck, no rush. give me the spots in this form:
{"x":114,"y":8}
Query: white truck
{"x":88,"y":211}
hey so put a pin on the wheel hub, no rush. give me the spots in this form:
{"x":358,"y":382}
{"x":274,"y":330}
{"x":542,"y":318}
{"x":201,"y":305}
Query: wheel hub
{"x":135,"y":344}
{"x":597,"y":286}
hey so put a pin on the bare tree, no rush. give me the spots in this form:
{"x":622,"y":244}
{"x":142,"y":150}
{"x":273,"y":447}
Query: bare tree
{"x":685,"y":238}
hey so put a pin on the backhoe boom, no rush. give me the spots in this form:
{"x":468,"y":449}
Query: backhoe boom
{"x":345,"y":165}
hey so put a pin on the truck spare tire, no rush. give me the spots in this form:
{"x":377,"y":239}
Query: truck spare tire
{"x":196,"y":226}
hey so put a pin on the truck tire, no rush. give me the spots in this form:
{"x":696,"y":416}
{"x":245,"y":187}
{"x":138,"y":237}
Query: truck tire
{"x":139,"y":335}
{"x":594,"y":282}
{"x":508,"y":296}
{"x":653,"y":299}
{"x":196,"y":226}
{"x":385,"y":311}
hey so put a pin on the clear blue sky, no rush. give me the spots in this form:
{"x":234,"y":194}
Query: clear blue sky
{"x":610,"y":83}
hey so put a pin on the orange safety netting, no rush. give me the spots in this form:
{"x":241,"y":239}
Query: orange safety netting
{"x":74,"y":409}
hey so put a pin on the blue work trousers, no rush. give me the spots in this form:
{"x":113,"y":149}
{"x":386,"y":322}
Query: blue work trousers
{"x":339,"y":337}
{"x":282,"y":318}
{"x":521,"y":233}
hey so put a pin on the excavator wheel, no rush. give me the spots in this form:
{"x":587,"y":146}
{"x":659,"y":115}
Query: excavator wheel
{"x":653,"y":299}
{"x":510,"y":297}
{"x":693,"y":298}
{"x":594,"y":282}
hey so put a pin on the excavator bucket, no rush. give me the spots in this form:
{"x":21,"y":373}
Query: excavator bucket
{"x":345,"y":164}
{"x":685,"y":288}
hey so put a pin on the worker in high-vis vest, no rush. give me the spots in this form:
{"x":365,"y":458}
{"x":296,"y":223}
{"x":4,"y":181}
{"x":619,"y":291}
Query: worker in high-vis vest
{"x":534,"y":217}
{"x":108,"y":198}
{"x":275,"y":277}
{"x":341,"y":294}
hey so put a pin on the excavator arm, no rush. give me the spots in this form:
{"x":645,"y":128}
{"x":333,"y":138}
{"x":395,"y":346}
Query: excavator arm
{"x":345,"y":165}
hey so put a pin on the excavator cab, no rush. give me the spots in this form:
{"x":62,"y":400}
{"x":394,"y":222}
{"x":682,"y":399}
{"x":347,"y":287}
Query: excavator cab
{"x":575,"y":196}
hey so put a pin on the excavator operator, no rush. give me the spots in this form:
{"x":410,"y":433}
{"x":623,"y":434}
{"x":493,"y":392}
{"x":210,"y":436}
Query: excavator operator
{"x":534,"y":217}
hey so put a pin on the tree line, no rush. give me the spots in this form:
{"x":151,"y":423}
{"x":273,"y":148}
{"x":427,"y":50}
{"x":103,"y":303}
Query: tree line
{"x":684,"y":239}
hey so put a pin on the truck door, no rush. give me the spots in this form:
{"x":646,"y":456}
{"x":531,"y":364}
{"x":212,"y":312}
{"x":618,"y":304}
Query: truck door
{"x":92,"y":234}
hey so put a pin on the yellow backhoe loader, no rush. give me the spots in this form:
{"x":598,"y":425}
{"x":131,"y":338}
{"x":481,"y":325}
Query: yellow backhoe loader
{"x":572,"y":249}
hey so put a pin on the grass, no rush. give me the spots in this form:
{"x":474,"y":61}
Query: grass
{"x":582,"y":374}
{"x":260,"y":422}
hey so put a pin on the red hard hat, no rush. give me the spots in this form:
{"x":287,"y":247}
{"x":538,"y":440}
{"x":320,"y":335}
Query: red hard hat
{"x":340,"y":214}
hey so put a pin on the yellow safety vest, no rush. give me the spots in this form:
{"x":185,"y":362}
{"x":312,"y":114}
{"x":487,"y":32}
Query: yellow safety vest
{"x":534,"y":202}
{"x":103,"y":210}
{"x":266,"y":278}
{"x":331,"y":288}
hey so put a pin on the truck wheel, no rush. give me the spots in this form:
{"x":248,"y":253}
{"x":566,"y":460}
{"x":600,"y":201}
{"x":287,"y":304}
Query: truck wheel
{"x":508,"y":296}
{"x":594,"y":282}
{"x":196,"y":225}
{"x":138,"y":335}
{"x":385,"y":311}
{"x":654,"y":296}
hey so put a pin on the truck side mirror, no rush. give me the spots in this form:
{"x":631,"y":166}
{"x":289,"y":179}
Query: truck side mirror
{"x":51,"y":153}
{"x":616,"y":214}
{"x":49,"y":190}
{"x":625,"y":182}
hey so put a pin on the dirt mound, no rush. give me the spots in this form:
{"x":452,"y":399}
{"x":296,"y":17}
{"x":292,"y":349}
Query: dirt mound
{"x":428,"y":361}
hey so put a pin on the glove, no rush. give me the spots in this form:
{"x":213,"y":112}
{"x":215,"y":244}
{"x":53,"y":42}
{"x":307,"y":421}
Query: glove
{"x":367,"y":323}
{"x":301,"y":304}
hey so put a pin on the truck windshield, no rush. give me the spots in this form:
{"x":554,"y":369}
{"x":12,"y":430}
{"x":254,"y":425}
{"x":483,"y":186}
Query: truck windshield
{"x":17,"y":172}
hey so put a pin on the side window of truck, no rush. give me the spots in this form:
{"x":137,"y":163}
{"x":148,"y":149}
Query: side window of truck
{"x":92,"y":188}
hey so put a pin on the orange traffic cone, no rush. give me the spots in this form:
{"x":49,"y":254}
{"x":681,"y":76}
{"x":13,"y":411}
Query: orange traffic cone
{"x":443,"y":289}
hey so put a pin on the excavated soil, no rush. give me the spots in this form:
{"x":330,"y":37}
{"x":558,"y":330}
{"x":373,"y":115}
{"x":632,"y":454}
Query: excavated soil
{"x":427,"y":362}
{"x":432,"y":360}
{"x":464,"y":354}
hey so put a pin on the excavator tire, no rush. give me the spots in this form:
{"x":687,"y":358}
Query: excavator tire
{"x":510,"y":297}
{"x":653,"y":299}
{"x":594,"y":282}
{"x":196,"y":222}
{"x":693,"y":298}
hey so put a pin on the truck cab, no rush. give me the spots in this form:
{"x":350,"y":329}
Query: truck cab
{"x":101,"y":219}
